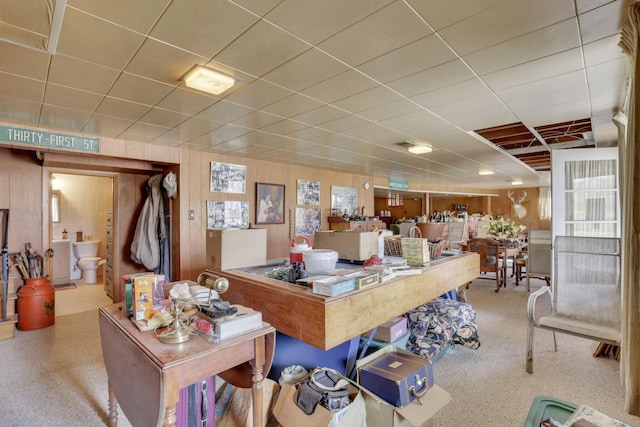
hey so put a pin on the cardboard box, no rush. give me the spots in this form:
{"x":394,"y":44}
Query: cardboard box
{"x":350,"y":245}
{"x":334,"y":285}
{"x":236,"y":248}
{"x":390,"y":331}
{"x":288,"y":414}
{"x":382,"y":414}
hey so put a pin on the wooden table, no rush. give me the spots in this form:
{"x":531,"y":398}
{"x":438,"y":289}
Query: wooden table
{"x":325,"y":322}
{"x":145,"y":375}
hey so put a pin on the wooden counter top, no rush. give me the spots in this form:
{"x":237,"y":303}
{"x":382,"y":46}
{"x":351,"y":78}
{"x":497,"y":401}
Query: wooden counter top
{"x":325,"y":322}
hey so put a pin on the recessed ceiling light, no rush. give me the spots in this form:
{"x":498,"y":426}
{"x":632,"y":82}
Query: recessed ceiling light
{"x":208,"y":80}
{"x":485,"y":172}
{"x":420,"y":149}
{"x":516,"y":182}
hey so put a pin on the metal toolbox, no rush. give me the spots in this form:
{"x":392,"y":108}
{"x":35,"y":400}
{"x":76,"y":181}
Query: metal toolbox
{"x":398,"y":378}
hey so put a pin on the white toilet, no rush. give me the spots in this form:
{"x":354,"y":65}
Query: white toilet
{"x":88,"y":262}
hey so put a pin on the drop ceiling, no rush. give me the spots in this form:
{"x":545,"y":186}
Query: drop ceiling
{"x":333,"y":84}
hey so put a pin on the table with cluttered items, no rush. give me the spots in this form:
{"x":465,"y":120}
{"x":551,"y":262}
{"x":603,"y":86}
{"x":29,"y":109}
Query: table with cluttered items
{"x":145,"y":374}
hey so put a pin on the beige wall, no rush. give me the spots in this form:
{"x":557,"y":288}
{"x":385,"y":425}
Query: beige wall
{"x":24,"y":176}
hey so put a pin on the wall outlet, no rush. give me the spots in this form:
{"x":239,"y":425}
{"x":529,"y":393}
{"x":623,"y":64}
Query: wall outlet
{"x":191,"y":215}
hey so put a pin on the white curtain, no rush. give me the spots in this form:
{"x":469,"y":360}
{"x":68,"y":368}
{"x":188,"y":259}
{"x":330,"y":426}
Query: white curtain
{"x":544,"y":203}
{"x":590,"y":197}
{"x":630,"y":189}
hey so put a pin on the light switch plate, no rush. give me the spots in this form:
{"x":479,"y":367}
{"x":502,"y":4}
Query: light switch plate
{"x":191,"y":215}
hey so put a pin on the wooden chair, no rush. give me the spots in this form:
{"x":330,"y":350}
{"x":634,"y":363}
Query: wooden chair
{"x":585,"y":292}
{"x":539,"y":254}
{"x":491,"y":258}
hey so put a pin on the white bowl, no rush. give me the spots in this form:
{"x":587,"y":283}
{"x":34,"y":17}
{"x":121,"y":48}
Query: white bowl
{"x":319,"y":260}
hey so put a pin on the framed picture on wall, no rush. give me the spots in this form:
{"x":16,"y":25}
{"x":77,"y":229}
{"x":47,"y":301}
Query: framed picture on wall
{"x":227,"y":214}
{"x":308,"y":192}
{"x":308,"y":221}
{"x":228,"y":178}
{"x":269,"y":203}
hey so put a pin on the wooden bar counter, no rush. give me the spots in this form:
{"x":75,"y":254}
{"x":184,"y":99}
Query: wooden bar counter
{"x":325,"y":322}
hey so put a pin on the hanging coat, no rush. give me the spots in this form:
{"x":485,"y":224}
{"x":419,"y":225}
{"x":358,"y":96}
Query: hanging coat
{"x":150,"y":229}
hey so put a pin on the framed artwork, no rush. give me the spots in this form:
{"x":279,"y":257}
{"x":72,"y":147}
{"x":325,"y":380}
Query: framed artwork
{"x":344,"y":200}
{"x":308,"y":193}
{"x":227,"y":214}
{"x":228,"y":178}
{"x":269,"y":203}
{"x":308,"y":221}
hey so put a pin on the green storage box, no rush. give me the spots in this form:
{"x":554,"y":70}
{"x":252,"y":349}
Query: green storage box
{"x":544,"y":407}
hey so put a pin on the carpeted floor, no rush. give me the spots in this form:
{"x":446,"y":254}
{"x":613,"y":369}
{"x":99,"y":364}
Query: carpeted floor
{"x":55,"y":376}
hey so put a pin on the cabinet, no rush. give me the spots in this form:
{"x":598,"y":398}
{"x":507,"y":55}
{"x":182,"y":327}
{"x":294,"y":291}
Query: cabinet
{"x":339,"y":223}
{"x":108,"y":273}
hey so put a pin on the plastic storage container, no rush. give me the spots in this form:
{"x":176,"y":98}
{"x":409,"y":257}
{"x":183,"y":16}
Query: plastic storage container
{"x":319,"y":260}
{"x":544,"y":407}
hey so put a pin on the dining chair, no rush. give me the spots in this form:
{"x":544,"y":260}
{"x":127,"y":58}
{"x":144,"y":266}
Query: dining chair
{"x":491,"y":258}
{"x":539,"y":254}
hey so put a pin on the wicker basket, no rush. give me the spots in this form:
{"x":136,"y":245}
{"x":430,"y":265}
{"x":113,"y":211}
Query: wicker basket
{"x":392,"y":246}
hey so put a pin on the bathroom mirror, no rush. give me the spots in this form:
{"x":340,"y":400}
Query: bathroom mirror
{"x":55,"y":206}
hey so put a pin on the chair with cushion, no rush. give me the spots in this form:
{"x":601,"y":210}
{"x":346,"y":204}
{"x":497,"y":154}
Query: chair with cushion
{"x":491,"y":258}
{"x":539,"y":254}
{"x":585,"y":292}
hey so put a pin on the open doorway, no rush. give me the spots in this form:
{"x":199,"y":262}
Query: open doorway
{"x":81,"y":214}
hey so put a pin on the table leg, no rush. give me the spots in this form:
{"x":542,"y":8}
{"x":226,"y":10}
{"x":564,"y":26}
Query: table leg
{"x":113,"y":408}
{"x":170,"y":418}
{"x":257,"y":377}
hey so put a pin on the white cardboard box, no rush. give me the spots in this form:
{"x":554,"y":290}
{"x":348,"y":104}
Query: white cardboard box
{"x":383,"y":414}
{"x":236,"y":248}
{"x":350,"y":245}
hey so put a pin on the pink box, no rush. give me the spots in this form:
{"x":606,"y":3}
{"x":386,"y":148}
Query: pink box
{"x":391,"y":331}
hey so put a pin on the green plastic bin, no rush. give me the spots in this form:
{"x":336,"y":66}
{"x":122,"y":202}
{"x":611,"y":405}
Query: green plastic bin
{"x":544,"y":407}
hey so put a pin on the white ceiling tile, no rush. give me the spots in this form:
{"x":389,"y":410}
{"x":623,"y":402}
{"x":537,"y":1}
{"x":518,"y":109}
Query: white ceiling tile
{"x":26,"y":62}
{"x":320,"y":115}
{"x":225,"y":111}
{"x":62,"y":96}
{"x":106,"y":126}
{"x":213,"y":24}
{"x":574,"y":110}
{"x":139,"y":15}
{"x":432,"y":78}
{"x":455,"y":92}
{"x":256,"y":120}
{"x":285,"y":127}
{"x":542,"y":68}
{"x":393,"y":109}
{"x":608,"y":70}
{"x":314,"y":21}
{"x":83,"y":75}
{"x":545,"y":92}
{"x":144,"y":132}
{"x":258,"y":93}
{"x":375,"y":97}
{"x":131,"y":87}
{"x":54,"y":117}
{"x":307,"y":69}
{"x":261,"y":49}
{"x":603,"y":50}
{"x":259,"y":7}
{"x":344,"y":123}
{"x":19,"y":110}
{"x":340,"y":86}
{"x":385,"y":30}
{"x":417,"y":56}
{"x":504,"y":21}
{"x":292,"y":105}
{"x":603,"y":21}
{"x":441,"y":14}
{"x":186,"y":101}
{"x":476,"y":112}
{"x":122,"y":109}
{"x":160,"y":117}
{"x":14,"y":86}
{"x":162,"y":62}
{"x":520,"y":50}
{"x":105,"y":43}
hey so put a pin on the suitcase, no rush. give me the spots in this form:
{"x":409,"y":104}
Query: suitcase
{"x":196,"y":404}
{"x":398,"y":378}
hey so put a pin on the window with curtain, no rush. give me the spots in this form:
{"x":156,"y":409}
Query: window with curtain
{"x":590,"y":197}
{"x":544,"y":203}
